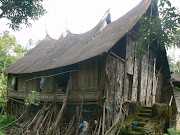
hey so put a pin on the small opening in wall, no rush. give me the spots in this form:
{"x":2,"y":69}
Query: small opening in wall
{"x":62,"y":82}
{"x":16,"y":83}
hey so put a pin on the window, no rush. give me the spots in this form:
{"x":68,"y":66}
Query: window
{"x":16,"y":83}
{"x":62,"y":82}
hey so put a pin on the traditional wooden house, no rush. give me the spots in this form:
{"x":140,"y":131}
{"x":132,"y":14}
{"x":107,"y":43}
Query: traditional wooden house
{"x":101,"y":64}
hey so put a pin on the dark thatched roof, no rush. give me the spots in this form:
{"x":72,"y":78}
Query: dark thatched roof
{"x":50,"y":53}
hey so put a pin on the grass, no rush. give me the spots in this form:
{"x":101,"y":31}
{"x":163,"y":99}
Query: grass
{"x":5,"y":120}
{"x":1,"y":133}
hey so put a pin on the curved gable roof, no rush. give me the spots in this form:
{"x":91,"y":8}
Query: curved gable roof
{"x":73,"y":48}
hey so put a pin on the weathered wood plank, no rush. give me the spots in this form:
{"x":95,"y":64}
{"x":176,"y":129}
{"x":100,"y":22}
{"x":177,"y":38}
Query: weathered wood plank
{"x":114,"y":86}
{"x":144,"y":76}
{"x":135,"y":80}
{"x":130,"y":54}
{"x":74,"y":96}
{"x":149,"y":81}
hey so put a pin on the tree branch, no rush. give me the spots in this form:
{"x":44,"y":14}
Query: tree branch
{"x":1,"y":15}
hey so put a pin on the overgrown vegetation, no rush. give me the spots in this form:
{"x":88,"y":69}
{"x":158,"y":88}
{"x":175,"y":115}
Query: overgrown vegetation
{"x":158,"y":28}
{"x":10,"y":51}
{"x":177,"y":88}
{"x":172,"y":131}
{"x":6,"y":120}
{"x":3,"y":98}
{"x":32,"y":98}
{"x":174,"y":65}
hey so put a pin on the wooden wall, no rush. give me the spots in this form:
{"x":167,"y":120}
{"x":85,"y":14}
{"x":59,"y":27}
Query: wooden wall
{"x":88,"y":77}
{"x":114,"y":85}
{"x":142,"y":71}
{"x":130,"y":79}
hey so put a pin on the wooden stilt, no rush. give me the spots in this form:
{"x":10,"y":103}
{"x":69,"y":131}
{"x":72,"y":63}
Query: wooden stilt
{"x":103,"y":124}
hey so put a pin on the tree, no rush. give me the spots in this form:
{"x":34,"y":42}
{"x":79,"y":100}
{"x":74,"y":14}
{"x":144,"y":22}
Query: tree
{"x":174,"y":66}
{"x":171,"y":63}
{"x":10,"y":52}
{"x":158,"y":28}
{"x":177,"y":38}
{"x":20,"y":11}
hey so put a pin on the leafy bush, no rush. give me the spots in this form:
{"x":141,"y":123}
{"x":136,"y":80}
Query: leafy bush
{"x":3,"y":98}
{"x":32,"y":98}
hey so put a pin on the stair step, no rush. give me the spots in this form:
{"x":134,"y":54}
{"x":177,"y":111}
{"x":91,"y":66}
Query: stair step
{"x":138,"y":129}
{"x":145,"y":111}
{"x":147,"y":107}
{"x":131,"y":133}
{"x":141,"y":119}
{"x":145,"y":115}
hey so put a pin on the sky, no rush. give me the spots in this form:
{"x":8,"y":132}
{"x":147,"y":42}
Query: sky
{"x":78,"y":16}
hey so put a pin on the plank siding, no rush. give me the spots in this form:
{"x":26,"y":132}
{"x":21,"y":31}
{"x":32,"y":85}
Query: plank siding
{"x":150,"y":80}
{"x":89,"y":78}
{"x":144,"y":77}
{"x":135,"y":86}
{"x":159,"y":88}
{"x":130,"y":54}
{"x":114,"y":85}
{"x":90,"y":75}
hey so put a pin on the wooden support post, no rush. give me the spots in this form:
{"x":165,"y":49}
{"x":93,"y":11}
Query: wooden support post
{"x":77,"y":111}
{"x":99,"y":126}
{"x":60,"y":115}
{"x":53,"y":130}
{"x":111,"y":128}
{"x":154,"y":83}
{"x":80,"y":118}
{"x":107,"y":103}
{"x":103,"y":124}
{"x":70,"y":126}
{"x":95,"y":130}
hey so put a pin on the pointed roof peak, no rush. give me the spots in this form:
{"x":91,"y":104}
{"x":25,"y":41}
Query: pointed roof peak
{"x":61,"y":36}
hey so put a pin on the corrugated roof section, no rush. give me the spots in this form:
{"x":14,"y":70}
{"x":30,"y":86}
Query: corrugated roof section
{"x":73,"y":48}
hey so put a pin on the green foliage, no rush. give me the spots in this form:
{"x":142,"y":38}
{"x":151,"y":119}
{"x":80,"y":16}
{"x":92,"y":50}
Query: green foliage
{"x":32,"y":98}
{"x":3,"y":99}
{"x":174,"y":66}
{"x":177,"y":38}
{"x":1,"y":133}
{"x":5,"y":120}
{"x":177,"y":88}
{"x":158,"y":29}
{"x":171,"y":63}
{"x":172,"y":131}
{"x":21,"y":11}
{"x":10,"y":52}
